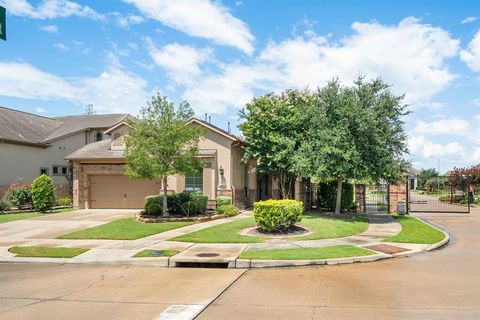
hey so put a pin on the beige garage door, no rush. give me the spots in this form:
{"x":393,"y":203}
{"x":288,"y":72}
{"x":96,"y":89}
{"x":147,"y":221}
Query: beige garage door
{"x":120,"y":192}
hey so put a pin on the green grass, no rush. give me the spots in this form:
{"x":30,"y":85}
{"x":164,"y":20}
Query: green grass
{"x":322,"y":227}
{"x":124,"y":229}
{"x":223,"y":233}
{"x":326,"y":227}
{"x":47,"y":252}
{"x":155,"y":253}
{"x":415,"y":231}
{"x":329,"y":252}
{"x":27,"y":215}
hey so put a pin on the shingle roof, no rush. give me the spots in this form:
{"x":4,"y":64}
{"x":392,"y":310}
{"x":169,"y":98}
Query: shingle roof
{"x":96,"y":150}
{"x":209,"y":125}
{"x":29,"y":128}
{"x":77,"y":123}
{"x":25,"y":127}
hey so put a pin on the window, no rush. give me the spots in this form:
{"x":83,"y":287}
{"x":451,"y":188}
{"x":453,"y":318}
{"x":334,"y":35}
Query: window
{"x":194,"y":182}
{"x":55,"y":170}
{"x":44,"y":171}
{"x":98,"y":136}
{"x":64,"y":171}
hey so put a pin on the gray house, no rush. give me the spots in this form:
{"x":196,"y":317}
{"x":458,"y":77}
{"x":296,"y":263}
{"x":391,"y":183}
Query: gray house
{"x":31,"y":144}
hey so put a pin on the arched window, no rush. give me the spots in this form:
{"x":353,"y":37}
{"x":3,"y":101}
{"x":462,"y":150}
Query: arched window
{"x":98,"y":136}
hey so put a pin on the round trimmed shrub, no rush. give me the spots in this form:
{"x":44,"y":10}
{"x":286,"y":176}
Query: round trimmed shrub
{"x":228,"y":210}
{"x":4,"y":206}
{"x":223,"y":200}
{"x":43,"y":193}
{"x":273,"y":215}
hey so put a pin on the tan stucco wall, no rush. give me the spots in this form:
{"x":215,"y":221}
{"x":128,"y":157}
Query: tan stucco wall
{"x":21,"y":164}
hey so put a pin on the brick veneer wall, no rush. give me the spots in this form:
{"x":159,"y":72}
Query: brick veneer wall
{"x":396,"y":193}
{"x":360,"y":198}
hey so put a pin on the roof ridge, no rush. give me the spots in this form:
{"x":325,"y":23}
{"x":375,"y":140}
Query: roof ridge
{"x":30,"y":113}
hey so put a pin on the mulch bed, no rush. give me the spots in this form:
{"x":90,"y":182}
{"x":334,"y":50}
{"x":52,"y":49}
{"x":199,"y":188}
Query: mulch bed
{"x":291,"y":232}
{"x":142,"y":217}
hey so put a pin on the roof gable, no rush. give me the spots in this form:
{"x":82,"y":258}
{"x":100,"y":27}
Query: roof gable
{"x":213,"y":128}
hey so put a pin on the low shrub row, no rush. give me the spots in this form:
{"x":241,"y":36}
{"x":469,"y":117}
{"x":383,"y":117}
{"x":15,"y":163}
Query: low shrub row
{"x":272,"y":215}
{"x":185,"y":204}
{"x":229,"y":210}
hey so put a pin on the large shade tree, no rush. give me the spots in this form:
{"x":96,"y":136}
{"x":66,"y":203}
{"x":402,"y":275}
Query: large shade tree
{"x":161,"y":144}
{"x":273,"y":132}
{"x":354,"y":133}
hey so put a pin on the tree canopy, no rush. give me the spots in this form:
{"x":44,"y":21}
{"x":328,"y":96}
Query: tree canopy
{"x":161,"y":143}
{"x":334,"y":133}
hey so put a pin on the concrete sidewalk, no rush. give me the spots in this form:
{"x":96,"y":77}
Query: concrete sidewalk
{"x":42,"y":232}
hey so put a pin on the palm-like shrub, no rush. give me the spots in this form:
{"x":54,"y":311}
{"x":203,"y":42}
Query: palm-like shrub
{"x":43,"y":193}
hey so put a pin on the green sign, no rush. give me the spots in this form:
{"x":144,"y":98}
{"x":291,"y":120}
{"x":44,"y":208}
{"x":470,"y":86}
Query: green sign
{"x":3,"y":24}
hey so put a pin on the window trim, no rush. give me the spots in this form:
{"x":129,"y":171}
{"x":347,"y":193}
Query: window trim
{"x":55,"y":166}
{"x":197,"y":182}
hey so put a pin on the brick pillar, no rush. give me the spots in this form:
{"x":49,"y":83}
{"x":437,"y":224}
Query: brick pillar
{"x":360,"y":198}
{"x":396,"y":193}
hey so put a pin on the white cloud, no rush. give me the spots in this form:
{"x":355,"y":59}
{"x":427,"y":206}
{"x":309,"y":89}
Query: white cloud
{"x":50,"y":9}
{"x":419,"y":146}
{"x":61,"y":46}
{"x":471,"y":55}
{"x":40,"y":110}
{"x":50,"y":28}
{"x":199,"y":18}
{"x":124,"y":21}
{"x":447,"y":126}
{"x":113,"y":90}
{"x":181,"y":61}
{"x":469,"y":20}
{"x":430,"y":105}
{"x":411,"y":56}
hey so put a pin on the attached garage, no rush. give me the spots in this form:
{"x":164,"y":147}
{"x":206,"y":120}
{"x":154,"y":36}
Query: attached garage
{"x":120,"y":192}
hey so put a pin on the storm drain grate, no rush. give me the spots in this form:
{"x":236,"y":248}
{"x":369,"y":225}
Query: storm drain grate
{"x":387,"y":248}
{"x":217,"y":265}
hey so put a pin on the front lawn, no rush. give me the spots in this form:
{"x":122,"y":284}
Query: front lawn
{"x":415,"y":231}
{"x":330,"y":252}
{"x":323,"y":228}
{"x":7,"y":217}
{"x":125,"y":229}
{"x":326,"y":227}
{"x":155,"y":253}
{"x":47,"y":252}
{"x":223,"y":233}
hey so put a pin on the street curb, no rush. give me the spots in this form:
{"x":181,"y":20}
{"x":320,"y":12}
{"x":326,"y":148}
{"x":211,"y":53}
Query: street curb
{"x":253,"y":263}
{"x":440,"y":243}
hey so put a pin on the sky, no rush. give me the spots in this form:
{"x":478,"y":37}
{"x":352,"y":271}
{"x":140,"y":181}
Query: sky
{"x":61,"y":55}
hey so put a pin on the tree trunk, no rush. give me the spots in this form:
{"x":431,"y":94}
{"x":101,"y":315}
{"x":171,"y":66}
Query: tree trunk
{"x":286,"y":185}
{"x":338,"y":205}
{"x":165,"y":204}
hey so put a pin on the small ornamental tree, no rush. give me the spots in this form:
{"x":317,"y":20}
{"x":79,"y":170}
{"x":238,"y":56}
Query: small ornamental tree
{"x":354,"y":133}
{"x":43,"y":193}
{"x":161,"y":144}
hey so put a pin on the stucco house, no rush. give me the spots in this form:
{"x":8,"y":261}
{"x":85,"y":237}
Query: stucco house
{"x":31,"y":144}
{"x":99,"y":180}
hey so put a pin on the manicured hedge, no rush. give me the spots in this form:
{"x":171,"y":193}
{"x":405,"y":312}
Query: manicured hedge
{"x":222,"y":200}
{"x":228,"y":210}
{"x":272,"y":215}
{"x":327,"y":196}
{"x":185,"y":203}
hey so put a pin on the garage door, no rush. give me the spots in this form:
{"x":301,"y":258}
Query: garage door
{"x":120,"y":192}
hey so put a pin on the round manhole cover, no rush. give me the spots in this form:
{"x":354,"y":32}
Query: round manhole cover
{"x":207,"y":255}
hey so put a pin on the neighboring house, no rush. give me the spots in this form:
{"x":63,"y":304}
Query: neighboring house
{"x":99,"y":180}
{"x":31,"y":144}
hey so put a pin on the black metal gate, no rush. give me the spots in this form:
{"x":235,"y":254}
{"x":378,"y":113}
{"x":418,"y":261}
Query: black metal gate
{"x":438,"y":195}
{"x":376,"y":198}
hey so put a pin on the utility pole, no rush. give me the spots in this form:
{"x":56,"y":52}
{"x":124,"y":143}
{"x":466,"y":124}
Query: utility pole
{"x":89,"y":110}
